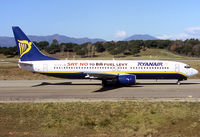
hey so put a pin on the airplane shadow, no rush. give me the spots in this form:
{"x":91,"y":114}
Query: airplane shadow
{"x":111,"y":87}
{"x":107,"y":88}
{"x":102,"y":89}
{"x":63,"y":83}
{"x":166,"y":83}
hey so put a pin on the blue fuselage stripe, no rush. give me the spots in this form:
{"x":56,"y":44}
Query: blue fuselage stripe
{"x":138,"y":75}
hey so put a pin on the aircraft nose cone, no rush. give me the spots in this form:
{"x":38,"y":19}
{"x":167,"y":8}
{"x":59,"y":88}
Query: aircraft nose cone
{"x":196,"y":72}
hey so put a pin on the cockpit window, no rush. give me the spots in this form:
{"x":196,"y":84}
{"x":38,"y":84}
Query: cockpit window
{"x":187,"y":66}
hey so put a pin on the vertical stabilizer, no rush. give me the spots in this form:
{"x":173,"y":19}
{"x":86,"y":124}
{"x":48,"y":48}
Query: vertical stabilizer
{"x":26,"y":48}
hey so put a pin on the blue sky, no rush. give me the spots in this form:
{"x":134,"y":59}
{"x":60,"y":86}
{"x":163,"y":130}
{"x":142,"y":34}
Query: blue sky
{"x":107,"y":19}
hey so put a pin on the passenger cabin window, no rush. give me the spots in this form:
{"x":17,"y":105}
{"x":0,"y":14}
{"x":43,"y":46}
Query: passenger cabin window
{"x":187,"y":66}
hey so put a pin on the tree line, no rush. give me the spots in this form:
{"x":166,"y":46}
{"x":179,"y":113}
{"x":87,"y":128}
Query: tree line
{"x":189,"y":47}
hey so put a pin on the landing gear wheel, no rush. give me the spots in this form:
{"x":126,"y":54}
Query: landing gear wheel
{"x":178,"y":82}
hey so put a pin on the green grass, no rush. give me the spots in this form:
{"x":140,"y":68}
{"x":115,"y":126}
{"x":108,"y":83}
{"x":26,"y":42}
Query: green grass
{"x":148,"y":54}
{"x":101,"y":119}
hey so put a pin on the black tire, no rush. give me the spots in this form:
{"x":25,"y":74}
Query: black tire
{"x":104,"y":83}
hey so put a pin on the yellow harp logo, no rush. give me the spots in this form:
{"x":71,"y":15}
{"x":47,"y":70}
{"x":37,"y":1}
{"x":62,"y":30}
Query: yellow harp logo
{"x":24,"y":47}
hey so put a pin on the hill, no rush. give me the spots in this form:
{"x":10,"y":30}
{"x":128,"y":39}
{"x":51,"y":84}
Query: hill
{"x":9,"y":41}
{"x":141,"y":37}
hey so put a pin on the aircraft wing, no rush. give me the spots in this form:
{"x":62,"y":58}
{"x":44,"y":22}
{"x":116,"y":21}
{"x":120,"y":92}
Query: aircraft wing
{"x":100,"y":75}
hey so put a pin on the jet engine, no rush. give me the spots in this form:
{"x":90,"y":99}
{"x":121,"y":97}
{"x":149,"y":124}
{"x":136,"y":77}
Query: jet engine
{"x":127,"y":79}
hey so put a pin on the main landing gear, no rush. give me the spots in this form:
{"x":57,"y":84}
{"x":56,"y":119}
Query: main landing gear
{"x":109,"y":82}
{"x":104,"y":83}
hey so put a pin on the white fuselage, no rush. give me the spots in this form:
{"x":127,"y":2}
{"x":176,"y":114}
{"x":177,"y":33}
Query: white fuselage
{"x":144,"y":69}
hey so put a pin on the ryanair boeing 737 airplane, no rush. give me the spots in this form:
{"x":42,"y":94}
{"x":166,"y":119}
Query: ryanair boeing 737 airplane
{"x":123,"y":72}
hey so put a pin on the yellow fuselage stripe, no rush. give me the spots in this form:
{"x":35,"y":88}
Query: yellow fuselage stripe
{"x":110,"y":72}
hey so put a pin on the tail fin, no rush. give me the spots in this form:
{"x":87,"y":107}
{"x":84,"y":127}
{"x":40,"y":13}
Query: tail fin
{"x":26,"y":49}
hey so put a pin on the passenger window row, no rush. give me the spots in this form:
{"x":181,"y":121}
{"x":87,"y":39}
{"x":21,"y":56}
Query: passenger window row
{"x":111,"y":68}
{"x":149,"y":67}
{"x":90,"y":68}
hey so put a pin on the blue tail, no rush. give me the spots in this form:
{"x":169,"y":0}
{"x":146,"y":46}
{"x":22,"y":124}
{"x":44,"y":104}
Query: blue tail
{"x":26,"y":49}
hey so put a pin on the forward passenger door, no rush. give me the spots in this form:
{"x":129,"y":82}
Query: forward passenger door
{"x":177,"y":68}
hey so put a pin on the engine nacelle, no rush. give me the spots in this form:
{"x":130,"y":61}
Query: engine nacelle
{"x":127,"y":79}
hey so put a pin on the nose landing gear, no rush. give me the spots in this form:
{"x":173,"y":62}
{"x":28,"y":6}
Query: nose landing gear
{"x":178,"y":82}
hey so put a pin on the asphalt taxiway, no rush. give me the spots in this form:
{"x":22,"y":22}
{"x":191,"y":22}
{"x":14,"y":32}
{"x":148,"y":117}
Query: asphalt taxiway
{"x":91,"y":90}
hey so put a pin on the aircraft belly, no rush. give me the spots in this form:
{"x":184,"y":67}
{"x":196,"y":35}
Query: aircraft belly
{"x":67,"y":75}
{"x":159,"y":76}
